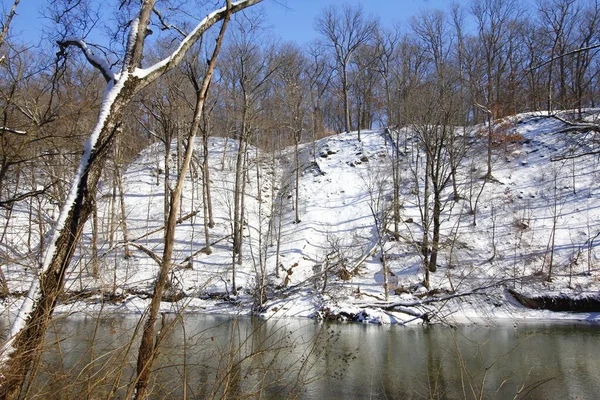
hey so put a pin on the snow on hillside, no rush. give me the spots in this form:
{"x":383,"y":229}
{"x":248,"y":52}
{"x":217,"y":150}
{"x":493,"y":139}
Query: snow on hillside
{"x":329,"y":264}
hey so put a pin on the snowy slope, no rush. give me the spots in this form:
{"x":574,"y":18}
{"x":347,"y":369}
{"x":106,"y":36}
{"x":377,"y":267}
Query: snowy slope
{"x":329,"y":263}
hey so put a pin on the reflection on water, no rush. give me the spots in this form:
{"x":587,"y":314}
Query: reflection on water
{"x":214,"y":357}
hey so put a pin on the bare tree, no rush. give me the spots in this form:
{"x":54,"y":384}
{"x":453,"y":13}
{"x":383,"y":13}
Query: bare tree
{"x":557,"y":20}
{"x":148,"y":345}
{"x":345,"y":31}
{"x":406,"y":76}
{"x":433,"y":118}
{"x":388,"y":41}
{"x":376,"y":184}
{"x":293,"y":98}
{"x":318,"y":72}
{"x":246,"y":68}
{"x":364,"y":84}
{"x":582,"y":74}
{"x":161,"y":107}
{"x":495,"y":26}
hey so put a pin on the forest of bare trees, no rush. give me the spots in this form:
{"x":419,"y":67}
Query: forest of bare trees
{"x":487,"y":60}
{"x":76,"y":112}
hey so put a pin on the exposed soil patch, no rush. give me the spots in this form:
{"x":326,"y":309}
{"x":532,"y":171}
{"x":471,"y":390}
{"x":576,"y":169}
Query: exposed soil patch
{"x":558,"y":303}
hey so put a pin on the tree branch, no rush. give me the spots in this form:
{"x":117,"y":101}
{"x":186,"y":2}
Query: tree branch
{"x":94,"y":60}
{"x":403,"y":304}
{"x":158,"y":69}
{"x":164,"y":24}
{"x":569,"y":53}
{"x":574,"y":156}
{"x":22,"y":196}
{"x":179,"y":221}
{"x":189,"y":258}
{"x":10,"y":130}
{"x":146,"y":250}
{"x":577,"y":126}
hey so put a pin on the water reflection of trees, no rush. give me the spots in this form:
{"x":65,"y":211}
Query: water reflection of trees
{"x":226,"y":357}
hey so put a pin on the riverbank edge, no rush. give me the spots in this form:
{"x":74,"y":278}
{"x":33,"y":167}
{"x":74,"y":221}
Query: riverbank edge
{"x":485,"y":310}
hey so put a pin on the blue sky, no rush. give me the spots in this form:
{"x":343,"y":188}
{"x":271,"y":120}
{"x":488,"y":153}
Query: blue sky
{"x":292,"y":20}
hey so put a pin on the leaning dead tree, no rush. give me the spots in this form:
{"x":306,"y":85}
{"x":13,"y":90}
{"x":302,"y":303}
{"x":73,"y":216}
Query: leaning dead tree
{"x":149,"y":344}
{"x":28,"y":329}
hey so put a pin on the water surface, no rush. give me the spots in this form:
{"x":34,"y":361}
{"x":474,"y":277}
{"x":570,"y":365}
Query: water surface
{"x":217,"y":356}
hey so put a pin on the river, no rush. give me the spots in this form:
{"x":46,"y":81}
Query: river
{"x":209,"y":356}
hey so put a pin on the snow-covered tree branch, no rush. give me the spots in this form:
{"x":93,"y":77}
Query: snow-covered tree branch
{"x":94,"y":60}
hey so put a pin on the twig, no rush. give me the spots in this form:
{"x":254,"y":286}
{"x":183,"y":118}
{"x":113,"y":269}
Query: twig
{"x":164,"y":24}
{"x":204,"y":249}
{"x":179,"y":221}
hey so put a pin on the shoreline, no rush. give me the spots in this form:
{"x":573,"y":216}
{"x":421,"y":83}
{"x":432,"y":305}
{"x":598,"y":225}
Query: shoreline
{"x":452,"y":313}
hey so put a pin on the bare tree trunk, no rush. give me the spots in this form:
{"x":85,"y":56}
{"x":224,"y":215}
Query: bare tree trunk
{"x":27,"y":333}
{"x":95,"y":266}
{"x":242,"y":221}
{"x":426,"y":221}
{"x":206,"y":175}
{"x":41,"y":225}
{"x":30,"y":215}
{"x":297,"y":179}
{"x":123,"y":219}
{"x":113,"y":212}
{"x":345,"y":89}
{"x":490,"y":135}
{"x":435,"y":239}
{"x":555,"y":216}
{"x":395,"y":141}
{"x":180,"y":161}
{"x":238,"y":194}
{"x":488,"y":174}
{"x":454,"y":162}
{"x":358,"y":118}
{"x":271,"y":229}
{"x":149,"y":343}
{"x":166,"y":180}
{"x":205,"y":215}
{"x":278,"y":240}
{"x":237,"y":215}
{"x":261,"y":272}
{"x":386,"y":272}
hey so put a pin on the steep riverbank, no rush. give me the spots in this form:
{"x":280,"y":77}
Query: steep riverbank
{"x":533,"y":228}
